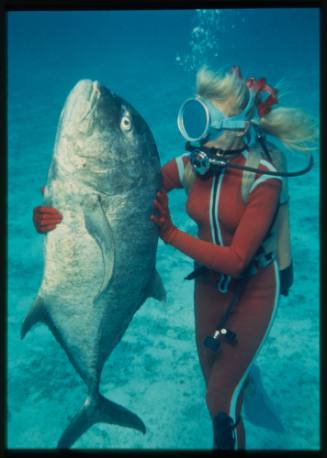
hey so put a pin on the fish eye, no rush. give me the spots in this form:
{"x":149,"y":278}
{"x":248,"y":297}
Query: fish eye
{"x":125,"y":124}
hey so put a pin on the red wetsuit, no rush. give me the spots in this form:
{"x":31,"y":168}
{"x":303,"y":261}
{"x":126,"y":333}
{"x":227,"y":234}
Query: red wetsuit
{"x":229,"y":235}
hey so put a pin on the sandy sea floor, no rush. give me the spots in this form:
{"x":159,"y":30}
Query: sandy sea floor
{"x":154,"y":371}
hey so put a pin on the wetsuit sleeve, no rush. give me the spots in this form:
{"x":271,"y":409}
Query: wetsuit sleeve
{"x":172,"y":173}
{"x":252,"y":229}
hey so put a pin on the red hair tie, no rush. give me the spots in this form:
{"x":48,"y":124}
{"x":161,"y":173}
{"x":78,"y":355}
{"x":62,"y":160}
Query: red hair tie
{"x":261,"y":86}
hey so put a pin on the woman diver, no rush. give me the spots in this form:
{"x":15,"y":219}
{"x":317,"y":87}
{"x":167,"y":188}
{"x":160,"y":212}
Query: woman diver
{"x":237,"y":195}
{"x":242,"y":249}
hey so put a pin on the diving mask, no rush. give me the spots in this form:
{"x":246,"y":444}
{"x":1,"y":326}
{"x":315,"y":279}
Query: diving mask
{"x":200,"y":120}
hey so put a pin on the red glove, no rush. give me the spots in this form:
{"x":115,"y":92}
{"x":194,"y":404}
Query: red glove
{"x":45,"y":219}
{"x":163,"y":220}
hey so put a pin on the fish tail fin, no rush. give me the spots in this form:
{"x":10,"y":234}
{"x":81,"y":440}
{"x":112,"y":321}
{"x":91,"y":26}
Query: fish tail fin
{"x":35,"y":315}
{"x":98,"y":410}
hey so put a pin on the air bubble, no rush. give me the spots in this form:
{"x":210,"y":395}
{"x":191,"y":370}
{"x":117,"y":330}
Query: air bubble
{"x":210,"y":30}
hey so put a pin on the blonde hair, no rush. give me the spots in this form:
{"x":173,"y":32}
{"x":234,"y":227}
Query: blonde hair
{"x":212,"y":85}
{"x":291,"y":126}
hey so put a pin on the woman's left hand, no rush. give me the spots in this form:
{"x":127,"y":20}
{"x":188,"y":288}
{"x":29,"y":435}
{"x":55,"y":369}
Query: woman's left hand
{"x":162,"y":219}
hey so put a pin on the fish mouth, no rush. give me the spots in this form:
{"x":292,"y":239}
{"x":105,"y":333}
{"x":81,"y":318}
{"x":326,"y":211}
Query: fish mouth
{"x":94,"y":96}
{"x":82,"y":101}
{"x":87,"y":89}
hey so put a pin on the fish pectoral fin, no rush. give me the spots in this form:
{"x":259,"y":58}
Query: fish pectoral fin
{"x":99,"y":228}
{"x":98,"y":410}
{"x":156,"y":288}
{"x":36,"y":314}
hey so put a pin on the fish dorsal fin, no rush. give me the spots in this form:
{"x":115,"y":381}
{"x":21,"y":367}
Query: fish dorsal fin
{"x":156,"y":288}
{"x":99,"y":228}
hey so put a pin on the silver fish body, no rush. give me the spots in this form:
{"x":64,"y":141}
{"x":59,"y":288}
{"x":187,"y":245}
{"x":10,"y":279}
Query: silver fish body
{"x":100,"y":260}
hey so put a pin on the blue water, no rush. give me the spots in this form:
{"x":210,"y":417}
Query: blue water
{"x":150,"y":58}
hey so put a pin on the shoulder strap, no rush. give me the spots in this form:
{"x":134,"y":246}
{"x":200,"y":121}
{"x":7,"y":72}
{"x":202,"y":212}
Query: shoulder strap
{"x":278,"y":160}
{"x":253,"y":160}
{"x":188,"y":177}
{"x":280,"y":163}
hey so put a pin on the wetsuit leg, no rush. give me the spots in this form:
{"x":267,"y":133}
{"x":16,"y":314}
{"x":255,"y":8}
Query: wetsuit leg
{"x":226,"y":371}
{"x":209,"y":309}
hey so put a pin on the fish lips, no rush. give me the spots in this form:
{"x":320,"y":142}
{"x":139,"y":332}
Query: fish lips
{"x":83,"y":101}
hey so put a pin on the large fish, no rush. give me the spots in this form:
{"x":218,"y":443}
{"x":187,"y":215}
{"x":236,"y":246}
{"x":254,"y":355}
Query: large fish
{"x":100,"y":260}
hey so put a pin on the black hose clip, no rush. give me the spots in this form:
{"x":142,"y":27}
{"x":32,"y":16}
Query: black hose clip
{"x":213,"y":342}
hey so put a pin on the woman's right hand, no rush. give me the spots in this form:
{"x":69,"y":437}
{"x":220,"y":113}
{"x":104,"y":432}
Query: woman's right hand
{"x":45,"y":219}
